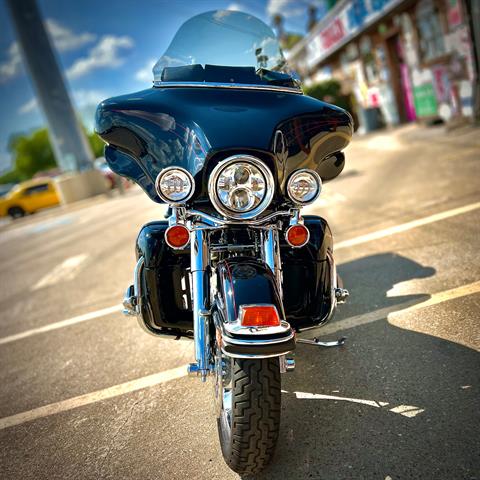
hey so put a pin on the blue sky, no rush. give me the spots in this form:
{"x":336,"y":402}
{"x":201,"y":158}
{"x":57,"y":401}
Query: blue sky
{"x":107,"y":48}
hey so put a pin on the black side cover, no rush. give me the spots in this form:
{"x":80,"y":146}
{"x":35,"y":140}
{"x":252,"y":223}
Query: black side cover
{"x":163,"y":292}
{"x":307,"y":276}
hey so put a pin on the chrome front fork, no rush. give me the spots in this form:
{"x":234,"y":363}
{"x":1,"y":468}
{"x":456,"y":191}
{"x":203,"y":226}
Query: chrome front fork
{"x":271,"y":255}
{"x":199,"y":263}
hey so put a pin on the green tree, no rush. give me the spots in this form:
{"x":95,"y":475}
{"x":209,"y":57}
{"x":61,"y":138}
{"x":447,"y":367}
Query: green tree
{"x":33,"y":153}
{"x":329,"y":91}
{"x":10,"y":177}
{"x":290,"y":40}
{"x":97,"y":144}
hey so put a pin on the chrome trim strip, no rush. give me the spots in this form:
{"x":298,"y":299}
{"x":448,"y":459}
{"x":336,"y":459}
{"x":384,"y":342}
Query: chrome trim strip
{"x":333,"y":286}
{"x":249,"y":214}
{"x":220,"y":222}
{"x":137,"y":281}
{"x":246,"y":355}
{"x":272,"y":341}
{"x":236,"y":86}
{"x":236,"y":328}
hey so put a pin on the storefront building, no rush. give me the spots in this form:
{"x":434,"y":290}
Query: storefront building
{"x":399,"y":60}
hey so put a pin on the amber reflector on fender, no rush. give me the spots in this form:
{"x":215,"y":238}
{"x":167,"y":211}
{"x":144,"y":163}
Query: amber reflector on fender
{"x":259,"y":316}
{"x":297,"y":235}
{"x":177,"y":236}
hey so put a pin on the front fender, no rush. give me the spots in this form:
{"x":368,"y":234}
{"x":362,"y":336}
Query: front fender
{"x":248,"y":281}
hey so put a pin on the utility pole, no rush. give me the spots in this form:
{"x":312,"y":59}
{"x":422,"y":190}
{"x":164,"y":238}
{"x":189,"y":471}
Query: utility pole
{"x":473,"y":7}
{"x":71,"y":148}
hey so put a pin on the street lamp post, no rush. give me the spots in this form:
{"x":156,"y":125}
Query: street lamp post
{"x":71,"y":148}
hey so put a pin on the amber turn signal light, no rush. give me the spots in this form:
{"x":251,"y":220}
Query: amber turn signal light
{"x":297,"y":235}
{"x":259,"y":316}
{"x":177,"y":236}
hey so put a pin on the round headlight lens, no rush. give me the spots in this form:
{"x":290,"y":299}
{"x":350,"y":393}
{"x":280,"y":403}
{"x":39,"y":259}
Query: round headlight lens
{"x":174,"y":185}
{"x":241,"y":187}
{"x":304,"y":186}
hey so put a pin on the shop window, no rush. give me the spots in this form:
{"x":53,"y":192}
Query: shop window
{"x":430,"y":32}
{"x":369,"y":60}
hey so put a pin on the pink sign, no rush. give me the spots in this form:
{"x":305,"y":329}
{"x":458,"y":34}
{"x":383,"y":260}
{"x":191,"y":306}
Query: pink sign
{"x":332,"y":34}
{"x":454,"y":13}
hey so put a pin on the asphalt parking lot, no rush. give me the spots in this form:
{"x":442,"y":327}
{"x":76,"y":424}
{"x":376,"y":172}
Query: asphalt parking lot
{"x":86,"y":394}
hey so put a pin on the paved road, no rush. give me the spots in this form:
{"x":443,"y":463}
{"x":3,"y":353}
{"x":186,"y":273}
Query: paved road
{"x":99,"y":398}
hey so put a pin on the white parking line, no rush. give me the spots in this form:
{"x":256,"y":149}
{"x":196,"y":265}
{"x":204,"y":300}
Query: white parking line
{"x":406,"y":226}
{"x":67,"y":270}
{"x":162,"y":377}
{"x":405,"y":307}
{"x":88,"y":398}
{"x":409,"y":411}
{"x":64,"y":323}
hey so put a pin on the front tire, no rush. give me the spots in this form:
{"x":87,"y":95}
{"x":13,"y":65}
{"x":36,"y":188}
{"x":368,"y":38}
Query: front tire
{"x":16,"y":212}
{"x":249,"y":413}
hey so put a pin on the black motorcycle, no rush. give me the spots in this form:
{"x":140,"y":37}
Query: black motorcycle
{"x":227,"y":139}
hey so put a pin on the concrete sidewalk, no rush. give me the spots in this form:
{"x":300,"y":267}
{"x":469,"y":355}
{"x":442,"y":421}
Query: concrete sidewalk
{"x":465,"y":135}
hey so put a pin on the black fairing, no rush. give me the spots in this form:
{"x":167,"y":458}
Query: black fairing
{"x":306,"y":280}
{"x":195,"y":127}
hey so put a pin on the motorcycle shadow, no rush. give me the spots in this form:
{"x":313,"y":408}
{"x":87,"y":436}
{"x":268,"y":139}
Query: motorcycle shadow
{"x":369,"y":279}
{"x":392,"y":403}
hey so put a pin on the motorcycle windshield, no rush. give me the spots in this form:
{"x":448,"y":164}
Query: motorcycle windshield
{"x":224,"y":47}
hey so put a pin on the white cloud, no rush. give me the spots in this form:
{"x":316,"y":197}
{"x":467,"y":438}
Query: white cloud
{"x":86,"y":102}
{"x":29,"y":106}
{"x":106,"y":53}
{"x":233,"y":7}
{"x":286,"y":8}
{"x":237,"y":7}
{"x":81,"y":99}
{"x":62,"y":37}
{"x":11,"y":67}
{"x":220,"y":14}
{"x":85,"y":98}
{"x":145,"y":74}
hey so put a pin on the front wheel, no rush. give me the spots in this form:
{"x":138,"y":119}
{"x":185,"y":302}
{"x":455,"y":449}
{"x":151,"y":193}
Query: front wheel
{"x":16,"y":212}
{"x":248,"y":395}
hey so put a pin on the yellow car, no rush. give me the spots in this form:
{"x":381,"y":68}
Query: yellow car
{"x":28,"y":197}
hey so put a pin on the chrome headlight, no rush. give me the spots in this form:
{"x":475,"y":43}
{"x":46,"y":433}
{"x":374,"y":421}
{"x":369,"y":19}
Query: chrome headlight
{"x":241,"y":187}
{"x":174,"y":185}
{"x":304,"y":186}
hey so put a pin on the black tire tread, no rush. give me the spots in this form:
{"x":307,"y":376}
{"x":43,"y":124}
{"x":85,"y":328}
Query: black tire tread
{"x":16,"y":208}
{"x":255,"y":414}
